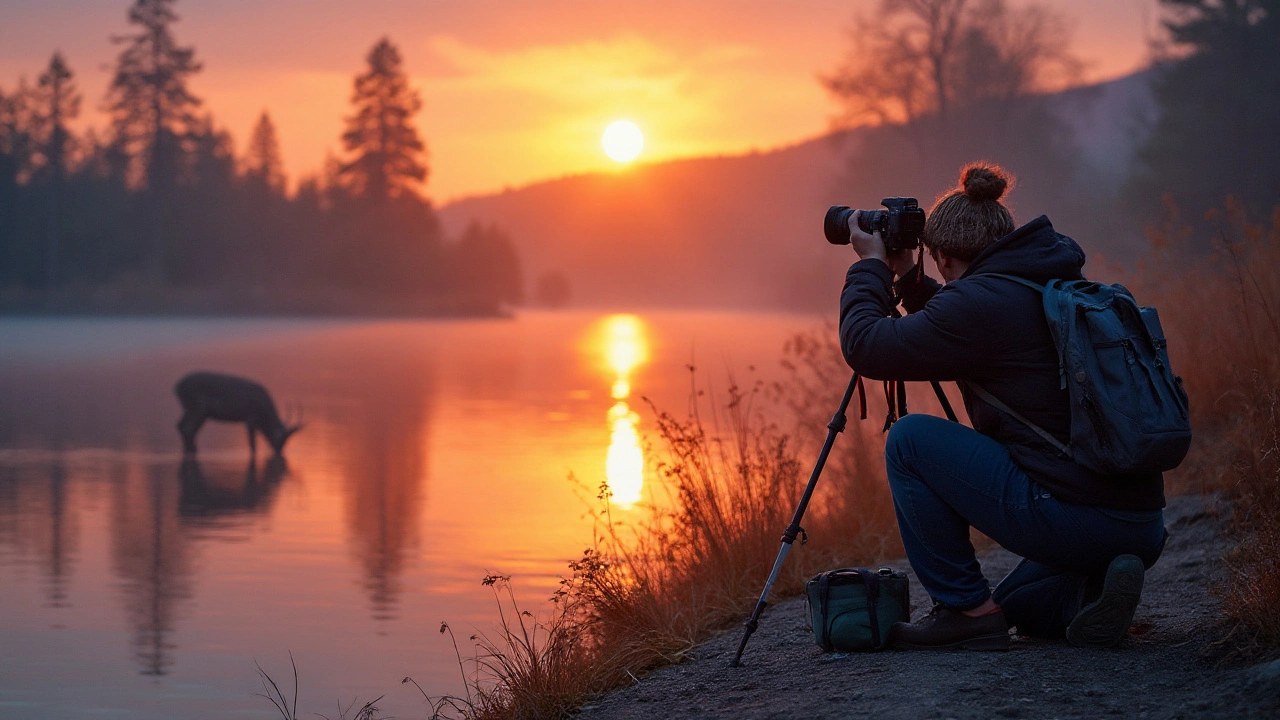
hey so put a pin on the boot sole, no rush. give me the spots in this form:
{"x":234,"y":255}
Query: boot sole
{"x":1105,"y":622}
{"x":984,"y":642}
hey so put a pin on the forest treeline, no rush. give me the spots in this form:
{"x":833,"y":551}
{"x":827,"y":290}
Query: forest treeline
{"x":159,"y":213}
{"x":157,"y":208}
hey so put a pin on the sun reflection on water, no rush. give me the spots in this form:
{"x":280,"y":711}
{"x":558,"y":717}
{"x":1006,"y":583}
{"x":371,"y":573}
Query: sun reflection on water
{"x":626,"y":347}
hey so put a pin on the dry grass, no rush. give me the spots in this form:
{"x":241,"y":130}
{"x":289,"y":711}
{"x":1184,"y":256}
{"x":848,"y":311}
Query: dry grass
{"x":1221,"y":312}
{"x":648,"y":592}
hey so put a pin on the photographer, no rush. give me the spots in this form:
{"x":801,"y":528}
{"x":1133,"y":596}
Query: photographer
{"x":1085,"y":538}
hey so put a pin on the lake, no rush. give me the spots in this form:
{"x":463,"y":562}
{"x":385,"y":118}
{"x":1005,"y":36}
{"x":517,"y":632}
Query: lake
{"x":136,"y":585}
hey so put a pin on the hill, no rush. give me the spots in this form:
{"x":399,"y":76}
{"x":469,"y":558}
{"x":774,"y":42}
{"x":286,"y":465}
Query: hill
{"x":745,"y":231}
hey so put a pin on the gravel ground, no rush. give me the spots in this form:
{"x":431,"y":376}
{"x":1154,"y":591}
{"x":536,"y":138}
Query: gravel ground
{"x":1163,"y":670}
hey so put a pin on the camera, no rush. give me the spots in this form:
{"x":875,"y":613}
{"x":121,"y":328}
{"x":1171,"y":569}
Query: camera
{"x":899,"y":225}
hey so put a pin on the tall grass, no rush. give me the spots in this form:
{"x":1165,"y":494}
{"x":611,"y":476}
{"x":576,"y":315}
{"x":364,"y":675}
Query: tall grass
{"x":648,"y":592}
{"x":1221,"y":312}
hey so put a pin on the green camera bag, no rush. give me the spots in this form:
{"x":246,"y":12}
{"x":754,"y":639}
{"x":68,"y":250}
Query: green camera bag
{"x":852,"y":609}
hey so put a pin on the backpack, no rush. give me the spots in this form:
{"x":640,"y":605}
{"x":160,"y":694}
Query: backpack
{"x":1129,"y":412}
{"x":853,"y":609}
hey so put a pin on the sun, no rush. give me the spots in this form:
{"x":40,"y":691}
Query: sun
{"x":622,"y":141}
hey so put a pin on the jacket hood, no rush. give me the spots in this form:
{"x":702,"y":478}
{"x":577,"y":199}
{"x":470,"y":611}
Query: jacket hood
{"x":1034,"y":251}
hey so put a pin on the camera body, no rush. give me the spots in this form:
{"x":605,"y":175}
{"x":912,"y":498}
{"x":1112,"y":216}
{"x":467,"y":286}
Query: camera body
{"x":899,"y":225}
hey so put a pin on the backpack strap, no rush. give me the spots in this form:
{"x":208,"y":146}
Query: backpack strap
{"x":1042,"y":289}
{"x":992,"y":399}
{"x":1020,"y":280}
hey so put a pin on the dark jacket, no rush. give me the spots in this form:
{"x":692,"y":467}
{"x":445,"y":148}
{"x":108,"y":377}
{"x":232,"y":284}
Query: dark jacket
{"x":991,"y":331}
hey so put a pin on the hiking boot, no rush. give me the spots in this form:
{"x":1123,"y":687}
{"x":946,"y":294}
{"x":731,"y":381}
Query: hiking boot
{"x":946,"y":629}
{"x":1105,"y":621}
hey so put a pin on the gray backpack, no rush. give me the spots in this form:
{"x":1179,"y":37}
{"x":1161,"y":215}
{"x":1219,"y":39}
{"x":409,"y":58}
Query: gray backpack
{"x":1129,"y":413}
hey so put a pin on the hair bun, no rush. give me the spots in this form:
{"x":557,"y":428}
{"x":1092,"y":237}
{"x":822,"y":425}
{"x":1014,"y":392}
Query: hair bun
{"x":983,"y":182}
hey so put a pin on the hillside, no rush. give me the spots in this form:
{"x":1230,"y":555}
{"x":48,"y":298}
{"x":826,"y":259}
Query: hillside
{"x":746,"y":231}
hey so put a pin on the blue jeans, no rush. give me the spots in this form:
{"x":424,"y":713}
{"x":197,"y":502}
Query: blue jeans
{"x":946,"y":478}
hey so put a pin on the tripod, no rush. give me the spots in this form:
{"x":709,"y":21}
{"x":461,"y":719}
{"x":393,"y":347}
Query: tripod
{"x":896,"y":396}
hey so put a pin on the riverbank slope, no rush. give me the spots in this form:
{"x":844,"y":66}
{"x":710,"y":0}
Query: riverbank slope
{"x":1167,"y":668}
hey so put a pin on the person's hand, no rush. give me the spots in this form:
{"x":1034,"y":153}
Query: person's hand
{"x":867,"y":246}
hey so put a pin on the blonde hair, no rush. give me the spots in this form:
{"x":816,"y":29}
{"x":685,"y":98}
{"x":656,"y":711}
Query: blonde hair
{"x":968,"y":219}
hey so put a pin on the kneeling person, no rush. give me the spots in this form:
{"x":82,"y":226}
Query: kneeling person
{"x":1085,"y":538}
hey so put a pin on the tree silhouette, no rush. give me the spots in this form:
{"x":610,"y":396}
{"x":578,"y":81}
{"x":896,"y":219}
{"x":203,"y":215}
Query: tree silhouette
{"x":56,"y":102}
{"x":388,"y":156}
{"x":918,"y":59}
{"x":153,"y":114}
{"x":262,"y":164}
{"x":485,"y":265}
{"x":1219,"y":108}
{"x":17,"y":145}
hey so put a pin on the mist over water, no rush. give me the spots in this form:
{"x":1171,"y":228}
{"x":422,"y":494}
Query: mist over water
{"x":433,"y":453}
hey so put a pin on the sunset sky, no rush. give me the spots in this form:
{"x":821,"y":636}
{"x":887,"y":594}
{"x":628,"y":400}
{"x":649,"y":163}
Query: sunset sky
{"x":517,"y":91}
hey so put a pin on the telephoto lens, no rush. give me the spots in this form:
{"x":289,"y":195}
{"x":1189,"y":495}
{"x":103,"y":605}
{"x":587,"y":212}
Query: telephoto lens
{"x":836,"y":224}
{"x":872,"y":221}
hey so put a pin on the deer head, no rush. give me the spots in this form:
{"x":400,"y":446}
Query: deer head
{"x":284,"y":432}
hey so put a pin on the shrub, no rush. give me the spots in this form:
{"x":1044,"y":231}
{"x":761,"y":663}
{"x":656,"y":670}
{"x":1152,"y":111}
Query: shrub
{"x":1221,"y":314}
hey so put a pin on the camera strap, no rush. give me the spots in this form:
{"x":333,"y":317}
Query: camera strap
{"x":942,"y":398}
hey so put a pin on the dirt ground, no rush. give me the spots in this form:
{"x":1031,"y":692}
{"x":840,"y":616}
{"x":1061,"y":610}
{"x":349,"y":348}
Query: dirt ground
{"x":1165,"y":669}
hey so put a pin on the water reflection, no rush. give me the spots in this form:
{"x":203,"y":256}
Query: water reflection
{"x":626,"y":347}
{"x":219,"y":493}
{"x":388,"y":431}
{"x":152,"y":558}
{"x":35,"y":518}
{"x":60,"y":544}
{"x":434,"y":451}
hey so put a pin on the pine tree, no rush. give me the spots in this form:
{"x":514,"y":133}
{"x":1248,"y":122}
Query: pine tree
{"x":1218,"y":130}
{"x":18,"y":258}
{"x":153,"y":114}
{"x":57,"y":102}
{"x":388,"y":156}
{"x":262,"y":164}
{"x":17,"y":141}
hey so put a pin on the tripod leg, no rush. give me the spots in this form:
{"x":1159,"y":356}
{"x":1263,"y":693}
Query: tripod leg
{"x":793,"y":530}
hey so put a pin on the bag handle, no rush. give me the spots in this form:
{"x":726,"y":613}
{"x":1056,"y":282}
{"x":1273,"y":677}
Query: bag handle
{"x":870,"y":585}
{"x":824,"y":590}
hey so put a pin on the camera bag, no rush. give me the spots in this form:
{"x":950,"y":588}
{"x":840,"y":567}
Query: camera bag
{"x":852,"y":609}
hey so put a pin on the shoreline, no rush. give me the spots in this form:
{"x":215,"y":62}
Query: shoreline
{"x":1170,"y":666}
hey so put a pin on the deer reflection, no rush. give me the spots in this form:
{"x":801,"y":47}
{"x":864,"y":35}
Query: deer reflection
{"x":213,"y":494}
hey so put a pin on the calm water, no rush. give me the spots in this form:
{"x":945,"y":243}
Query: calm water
{"x":135,"y":585}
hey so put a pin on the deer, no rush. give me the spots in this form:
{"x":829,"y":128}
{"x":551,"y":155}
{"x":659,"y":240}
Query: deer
{"x":227,"y":398}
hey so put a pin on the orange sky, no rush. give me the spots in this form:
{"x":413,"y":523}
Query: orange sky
{"x":517,"y":90}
